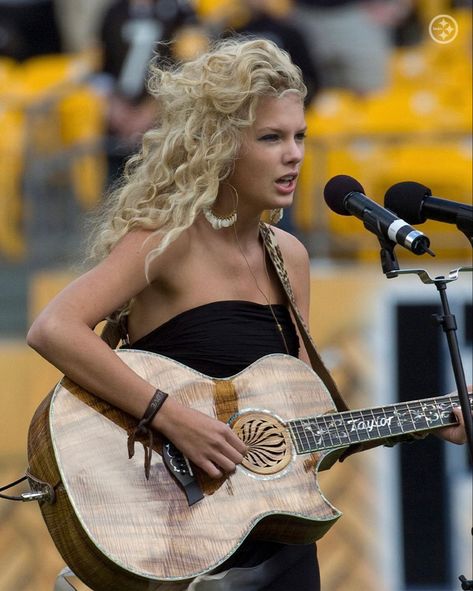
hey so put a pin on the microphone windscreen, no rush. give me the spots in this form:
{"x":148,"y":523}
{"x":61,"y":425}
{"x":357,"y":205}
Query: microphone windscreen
{"x":337,"y":188}
{"x":405,"y":200}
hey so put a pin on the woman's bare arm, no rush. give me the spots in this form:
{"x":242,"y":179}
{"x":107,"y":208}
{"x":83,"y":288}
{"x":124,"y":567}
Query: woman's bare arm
{"x":64,"y":335}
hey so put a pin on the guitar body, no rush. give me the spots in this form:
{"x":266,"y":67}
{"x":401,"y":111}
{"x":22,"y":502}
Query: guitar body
{"x":118,"y":530}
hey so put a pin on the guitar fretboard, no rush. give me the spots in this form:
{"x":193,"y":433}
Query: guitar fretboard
{"x":336,"y":430}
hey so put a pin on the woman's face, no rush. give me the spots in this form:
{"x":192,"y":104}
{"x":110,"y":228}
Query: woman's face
{"x":267,"y":166}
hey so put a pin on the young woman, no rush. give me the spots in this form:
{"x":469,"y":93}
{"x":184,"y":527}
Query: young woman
{"x":182,"y":260}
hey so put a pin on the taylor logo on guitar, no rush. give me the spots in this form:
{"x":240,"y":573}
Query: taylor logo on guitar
{"x":118,"y":530}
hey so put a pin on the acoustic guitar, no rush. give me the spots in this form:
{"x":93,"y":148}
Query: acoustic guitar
{"x":118,"y":530}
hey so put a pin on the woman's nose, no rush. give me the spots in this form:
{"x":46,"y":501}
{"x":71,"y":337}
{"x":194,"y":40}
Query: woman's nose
{"x":294,"y":151}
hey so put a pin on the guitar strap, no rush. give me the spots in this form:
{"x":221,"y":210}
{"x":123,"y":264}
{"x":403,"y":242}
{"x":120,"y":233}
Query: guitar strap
{"x":111,"y":332}
{"x":274,"y":252}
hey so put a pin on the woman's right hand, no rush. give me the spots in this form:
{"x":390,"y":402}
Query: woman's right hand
{"x":208,"y":443}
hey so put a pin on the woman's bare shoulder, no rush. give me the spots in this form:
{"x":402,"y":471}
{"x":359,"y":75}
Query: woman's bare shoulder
{"x":139,"y":243}
{"x":292,"y":249}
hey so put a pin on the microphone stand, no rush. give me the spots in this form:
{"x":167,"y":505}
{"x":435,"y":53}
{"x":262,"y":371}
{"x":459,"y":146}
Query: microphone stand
{"x":448,"y":323}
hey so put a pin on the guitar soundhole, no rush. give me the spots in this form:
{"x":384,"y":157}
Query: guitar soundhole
{"x":267,"y":440}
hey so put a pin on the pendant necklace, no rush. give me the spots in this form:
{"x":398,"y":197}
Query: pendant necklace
{"x":278,"y":324}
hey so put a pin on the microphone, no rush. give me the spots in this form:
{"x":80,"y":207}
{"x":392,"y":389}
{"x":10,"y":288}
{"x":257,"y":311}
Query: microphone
{"x":345,"y":196}
{"x":414,"y":202}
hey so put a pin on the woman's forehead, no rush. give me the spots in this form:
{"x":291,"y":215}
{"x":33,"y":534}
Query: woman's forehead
{"x":286,"y":107}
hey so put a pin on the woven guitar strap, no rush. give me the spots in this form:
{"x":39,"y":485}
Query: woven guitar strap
{"x":274,"y":252}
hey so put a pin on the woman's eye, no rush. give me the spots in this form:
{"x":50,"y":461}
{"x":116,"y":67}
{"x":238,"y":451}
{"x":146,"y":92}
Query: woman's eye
{"x":301,"y":136}
{"x":270,"y":137}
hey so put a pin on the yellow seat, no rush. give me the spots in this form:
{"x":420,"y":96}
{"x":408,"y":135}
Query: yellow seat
{"x":66,"y":118}
{"x":333,"y":113}
{"x":7,"y":67}
{"x":444,"y":167}
{"x":12,"y":244}
{"x":82,"y":123}
{"x":47,"y":73}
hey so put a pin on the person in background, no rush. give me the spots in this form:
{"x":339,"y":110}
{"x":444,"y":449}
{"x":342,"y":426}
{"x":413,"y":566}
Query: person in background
{"x":131,"y":32}
{"x":263,"y":19}
{"x":28,"y":28}
{"x":351,"y":40}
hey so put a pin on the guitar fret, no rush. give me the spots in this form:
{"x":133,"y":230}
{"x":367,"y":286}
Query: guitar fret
{"x":383,"y":422}
{"x":408,"y":406}
{"x":306,"y":430}
{"x":341,"y":431}
{"x":375,"y":422}
{"x":398,"y":416}
{"x":301,"y":435}
{"x":354,"y":431}
{"x":296,"y":435}
{"x":427,"y":411}
{"x":421,"y":419}
{"x":327,"y":431}
{"x":338,"y":437}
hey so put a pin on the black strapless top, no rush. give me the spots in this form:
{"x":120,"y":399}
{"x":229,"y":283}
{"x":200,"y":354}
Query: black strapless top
{"x":222,"y":338}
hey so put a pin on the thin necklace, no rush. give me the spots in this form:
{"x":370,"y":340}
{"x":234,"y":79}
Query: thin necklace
{"x":278,"y":324}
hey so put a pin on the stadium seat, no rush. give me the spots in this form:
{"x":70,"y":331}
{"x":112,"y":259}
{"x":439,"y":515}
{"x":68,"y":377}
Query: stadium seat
{"x":12,"y":244}
{"x":82,"y":129}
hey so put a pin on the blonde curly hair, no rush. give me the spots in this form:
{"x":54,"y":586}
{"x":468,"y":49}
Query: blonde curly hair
{"x":203,"y":105}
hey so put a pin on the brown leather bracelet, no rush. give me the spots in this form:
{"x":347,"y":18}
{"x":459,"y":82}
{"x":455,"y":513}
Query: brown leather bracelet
{"x":144,"y":428}
{"x":152,"y":409}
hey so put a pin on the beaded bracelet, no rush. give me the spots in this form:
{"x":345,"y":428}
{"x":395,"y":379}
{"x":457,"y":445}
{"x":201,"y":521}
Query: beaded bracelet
{"x":144,"y":429}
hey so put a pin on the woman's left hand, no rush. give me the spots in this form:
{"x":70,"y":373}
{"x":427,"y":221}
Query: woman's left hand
{"x":454,"y":433}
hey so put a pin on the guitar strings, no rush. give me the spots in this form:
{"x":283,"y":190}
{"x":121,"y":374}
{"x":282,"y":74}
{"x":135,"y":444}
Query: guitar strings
{"x":450,"y":401}
{"x":296,"y":424}
{"x":330,"y":430}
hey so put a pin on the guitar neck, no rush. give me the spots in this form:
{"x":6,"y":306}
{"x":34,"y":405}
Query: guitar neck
{"x":331,"y":431}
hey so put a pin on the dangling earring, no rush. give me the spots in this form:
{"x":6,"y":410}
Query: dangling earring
{"x":219,"y":222}
{"x":276,"y":215}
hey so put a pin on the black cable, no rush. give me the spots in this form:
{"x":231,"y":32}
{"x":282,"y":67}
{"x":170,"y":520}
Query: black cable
{"x":7,"y":486}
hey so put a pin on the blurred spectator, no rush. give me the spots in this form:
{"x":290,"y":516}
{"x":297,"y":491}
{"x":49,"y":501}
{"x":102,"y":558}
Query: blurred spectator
{"x":28,"y":28}
{"x":78,"y":23}
{"x":260,"y":18}
{"x":132,"y":32}
{"x":409,"y":30}
{"x":351,"y":40}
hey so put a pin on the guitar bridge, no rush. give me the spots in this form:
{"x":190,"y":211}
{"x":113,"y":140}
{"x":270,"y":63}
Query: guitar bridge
{"x":179,"y":467}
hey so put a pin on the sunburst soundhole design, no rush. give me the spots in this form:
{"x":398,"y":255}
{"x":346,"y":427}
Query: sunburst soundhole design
{"x":267,"y":441}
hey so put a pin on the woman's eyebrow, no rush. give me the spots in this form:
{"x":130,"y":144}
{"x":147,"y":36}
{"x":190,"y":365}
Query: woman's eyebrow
{"x":277,"y":129}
